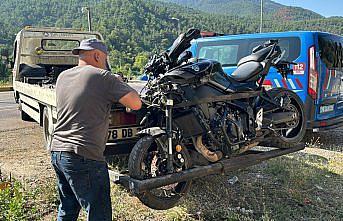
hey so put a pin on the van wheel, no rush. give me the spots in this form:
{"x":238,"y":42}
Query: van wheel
{"x":25,"y":116}
{"x":47,"y":132}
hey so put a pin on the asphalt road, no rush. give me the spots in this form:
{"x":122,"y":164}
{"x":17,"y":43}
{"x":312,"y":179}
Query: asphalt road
{"x":8,"y":108}
{"x":9,"y":113}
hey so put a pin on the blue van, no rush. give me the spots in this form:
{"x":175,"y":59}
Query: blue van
{"x":317,"y":77}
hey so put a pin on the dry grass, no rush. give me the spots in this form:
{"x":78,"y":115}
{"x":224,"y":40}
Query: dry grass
{"x":307,"y":185}
{"x":303,"y":186}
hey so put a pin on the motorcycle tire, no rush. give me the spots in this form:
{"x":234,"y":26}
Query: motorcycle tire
{"x":136,"y":160}
{"x":297,"y":136}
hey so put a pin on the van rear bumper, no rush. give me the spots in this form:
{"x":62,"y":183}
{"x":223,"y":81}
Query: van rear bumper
{"x":324,"y":125}
{"x":319,"y":125}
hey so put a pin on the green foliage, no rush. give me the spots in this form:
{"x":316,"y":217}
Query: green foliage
{"x":4,"y":57}
{"x":14,"y":203}
{"x":134,"y":29}
{"x":249,"y":8}
{"x":3,"y":70}
{"x":140,"y":61}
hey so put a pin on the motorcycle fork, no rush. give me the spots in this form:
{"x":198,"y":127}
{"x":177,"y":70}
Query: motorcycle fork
{"x":169,"y":131}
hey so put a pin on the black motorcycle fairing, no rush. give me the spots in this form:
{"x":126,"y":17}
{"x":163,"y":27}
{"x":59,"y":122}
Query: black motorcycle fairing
{"x":190,"y":71}
{"x":200,"y":92}
{"x":193,"y":72}
{"x":229,"y":84}
{"x":247,"y":71}
{"x":181,"y":44}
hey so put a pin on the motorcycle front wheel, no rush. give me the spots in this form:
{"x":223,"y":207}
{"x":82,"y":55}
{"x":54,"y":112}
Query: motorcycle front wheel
{"x":147,"y":160}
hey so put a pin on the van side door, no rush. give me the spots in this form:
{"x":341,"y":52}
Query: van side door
{"x":330,"y":98}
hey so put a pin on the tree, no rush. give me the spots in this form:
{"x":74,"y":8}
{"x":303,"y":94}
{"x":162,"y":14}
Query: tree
{"x":134,"y":29}
{"x":140,"y":61}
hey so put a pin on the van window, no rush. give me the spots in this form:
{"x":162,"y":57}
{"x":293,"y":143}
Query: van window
{"x":225,"y":54}
{"x":229,"y":52}
{"x":331,"y":52}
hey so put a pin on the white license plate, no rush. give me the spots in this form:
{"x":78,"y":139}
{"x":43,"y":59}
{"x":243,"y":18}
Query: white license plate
{"x":122,"y":133}
{"x":326,"y":108}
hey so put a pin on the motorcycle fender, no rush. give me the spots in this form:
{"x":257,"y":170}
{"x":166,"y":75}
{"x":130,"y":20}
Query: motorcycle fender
{"x":153,"y":131}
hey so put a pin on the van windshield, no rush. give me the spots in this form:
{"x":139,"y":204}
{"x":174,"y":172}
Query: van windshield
{"x":229,"y":52}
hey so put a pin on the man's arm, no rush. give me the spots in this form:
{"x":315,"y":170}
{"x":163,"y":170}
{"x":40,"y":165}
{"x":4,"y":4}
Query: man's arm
{"x":118,"y":91}
{"x":131,"y":100}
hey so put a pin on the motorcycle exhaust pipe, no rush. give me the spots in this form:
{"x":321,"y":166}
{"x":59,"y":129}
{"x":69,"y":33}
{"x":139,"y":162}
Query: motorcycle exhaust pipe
{"x":209,"y":155}
{"x":279,"y":118}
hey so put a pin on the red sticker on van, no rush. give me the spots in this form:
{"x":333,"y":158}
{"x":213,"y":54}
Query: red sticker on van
{"x":299,"y":68}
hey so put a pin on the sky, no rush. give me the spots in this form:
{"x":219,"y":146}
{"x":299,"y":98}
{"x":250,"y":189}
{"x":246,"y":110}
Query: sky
{"x":326,"y":8}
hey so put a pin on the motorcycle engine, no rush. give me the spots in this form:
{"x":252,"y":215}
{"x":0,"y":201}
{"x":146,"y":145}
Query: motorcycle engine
{"x":228,"y":126}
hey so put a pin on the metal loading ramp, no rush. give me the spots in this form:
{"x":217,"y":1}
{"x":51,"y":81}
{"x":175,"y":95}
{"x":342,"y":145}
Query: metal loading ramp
{"x":224,"y":166}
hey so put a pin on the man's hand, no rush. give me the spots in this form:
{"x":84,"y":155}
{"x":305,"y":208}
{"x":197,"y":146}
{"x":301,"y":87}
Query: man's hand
{"x":131,"y":100}
{"x":119,"y":77}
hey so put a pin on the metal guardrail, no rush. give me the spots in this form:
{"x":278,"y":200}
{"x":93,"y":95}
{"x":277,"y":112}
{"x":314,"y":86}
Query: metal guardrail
{"x":6,"y":88}
{"x":6,"y":83}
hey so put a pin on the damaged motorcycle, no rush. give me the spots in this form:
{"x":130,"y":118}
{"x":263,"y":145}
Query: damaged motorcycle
{"x":197,"y":116}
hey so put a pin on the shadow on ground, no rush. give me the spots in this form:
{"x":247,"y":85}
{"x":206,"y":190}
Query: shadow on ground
{"x":299,"y":186}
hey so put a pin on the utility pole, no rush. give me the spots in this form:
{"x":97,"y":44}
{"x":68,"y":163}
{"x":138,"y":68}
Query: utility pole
{"x":261,"y":22}
{"x":88,"y":10}
{"x":178,"y":24}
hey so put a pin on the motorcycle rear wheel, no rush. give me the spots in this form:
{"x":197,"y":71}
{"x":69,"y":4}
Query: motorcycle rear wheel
{"x":292,"y":137}
{"x":141,"y":164}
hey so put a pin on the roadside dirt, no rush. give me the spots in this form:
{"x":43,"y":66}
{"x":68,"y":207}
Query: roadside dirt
{"x":307,"y":184}
{"x":22,"y":155}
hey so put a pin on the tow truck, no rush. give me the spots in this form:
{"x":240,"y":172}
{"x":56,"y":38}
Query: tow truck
{"x":39,"y":56}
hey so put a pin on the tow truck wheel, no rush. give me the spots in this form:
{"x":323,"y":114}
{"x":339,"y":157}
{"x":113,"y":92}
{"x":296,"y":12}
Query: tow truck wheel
{"x":47,"y":132}
{"x":23,"y":114}
{"x":16,"y":97}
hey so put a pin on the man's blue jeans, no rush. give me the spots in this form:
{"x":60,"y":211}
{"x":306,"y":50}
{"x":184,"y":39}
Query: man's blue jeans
{"x":82,"y":183}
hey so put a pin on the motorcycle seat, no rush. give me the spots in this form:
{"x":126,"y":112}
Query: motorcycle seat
{"x":257,"y":56}
{"x":247,"y":71}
